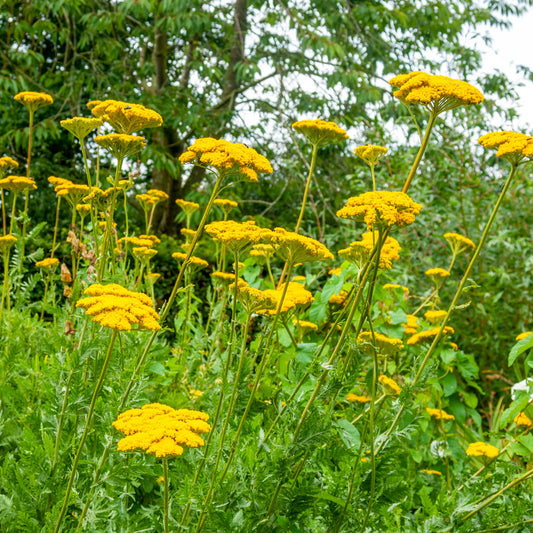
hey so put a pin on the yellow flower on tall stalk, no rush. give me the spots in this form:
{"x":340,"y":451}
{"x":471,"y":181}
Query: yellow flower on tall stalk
{"x":80,"y":127}
{"x":371,"y":154}
{"x":6,"y":164}
{"x":411,"y":326}
{"x":437,"y":275}
{"x":16,"y":184}
{"x":296,"y":297}
{"x":482,"y":449}
{"x":252,"y":299}
{"x":149,"y":202}
{"x":33,"y":100}
{"x":381,"y":209}
{"x":439,"y":414}
{"x":360,"y":251}
{"x":389,"y":385}
{"x":354,"y":398}
{"x":510,"y":145}
{"x":384,"y":345}
{"x":428,"y":335}
{"x":320,"y":132}
{"x":236,"y":235}
{"x":435,"y":316}
{"x":295,"y":248}
{"x":459,"y":243}
{"x":48,"y":264}
{"x":194,"y":262}
{"x":226,"y":205}
{"x":521,"y":419}
{"x":6,"y":242}
{"x":125,"y":117}
{"x":121,"y":145}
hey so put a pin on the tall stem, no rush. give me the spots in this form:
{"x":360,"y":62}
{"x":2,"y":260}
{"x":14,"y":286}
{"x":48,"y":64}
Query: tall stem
{"x":55,"y":227}
{"x":165,"y":476}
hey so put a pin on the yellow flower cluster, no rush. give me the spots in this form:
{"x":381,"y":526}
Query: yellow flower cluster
{"x":83,"y":209}
{"x":523,"y":335}
{"x":338,"y":299}
{"x":73,"y":192}
{"x":141,"y":241}
{"x":521,"y":419}
{"x":160,"y":430}
{"x":436,"y":93}
{"x":121,"y":145}
{"x":188,"y":207}
{"x":227,"y":157}
{"x":381,"y":209}
{"x":80,"y":127}
{"x":393,"y":286}
{"x":6,"y":242}
{"x":225,"y":204}
{"x":411,"y":326}
{"x":298,"y":248}
{"x":370,"y":153}
{"x":435,"y":316}
{"x":296,"y":297}
{"x":428,"y":335}
{"x":384,"y":345}
{"x":359,"y":399}
{"x":254,"y":299}
{"x":33,"y":100}
{"x":223,"y":277}
{"x":389,"y":384}
{"x":143,"y":253}
{"x":482,"y":449}
{"x":437,"y":273}
{"x":305,"y":326}
{"x":7,"y":164}
{"x":511,"y":145}
{"x":193,"y":260}
{"x":265,"y":251}
{"x":127,"y":118}
{"x":18,"y":184}
{"x":459,"y":243}
{"x":320,"y":132}
{"x":359,"y":251}
{"x":439,"y":414}
{"x":150,"y":198}
{"x":236,"y":235}
{"x":48,"y":263}
{"x":432,"y":472}
{"x":118,"y":308}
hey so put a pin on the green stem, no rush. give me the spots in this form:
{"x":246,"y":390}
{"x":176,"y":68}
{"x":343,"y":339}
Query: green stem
{"x":30,"y":138}
{"x":15,"y":194}
{"x":4,"y":225}
{"x":165,"y":476}
{"x":55,"y":228}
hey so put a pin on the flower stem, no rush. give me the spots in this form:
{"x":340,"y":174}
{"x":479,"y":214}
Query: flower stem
{"x":165,"y":475}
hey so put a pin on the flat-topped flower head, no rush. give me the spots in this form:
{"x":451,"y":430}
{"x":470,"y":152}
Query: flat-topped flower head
{"x":6,"y":242}
{"x":354,"y":398}
{"x":459,"y":243}
{"x":360,"y":251}
{"x":188,"y":207}
{"x":143,"y":253}
{"x":394,"y":286}
{"x":428,"y":335}
{"x":33,"y":100}
{"x":435,"y":316}
{"x":121,"y":145}
{"x":370,"y":153}
{"x":262,"y":251}
{"x":381,"y":209}
{"x":225,"y":278}
{"x":151,"y":198}
{"x":252,"y":299}
{"x":236,"y":235}
{"x":18,"y":184}
{"x":437,"y":275}
{"x":98,"y":107}
{"x":194,"y":262}
{"x":128,"y":118}
{"x":6,"y":164}
{"x":481,"y":449}
{"x":227,"y":158}
{"x":523,"y":336}
{"x":412,"y":325}
{"x":338,"y":299}
{"x":298,"y":248}
{"x":83,"y":209}
{"x":142,"y":240}
{"x":436,"y":93}
{"x":80,"y":127}
{"x":510,"y":145}
{"x":320,"y":132}
{"x":118,"y":308}
{"x":390,"y":386}
{"x":297,"y":297}
{"x":160,"y":430}
{"x":47,"y":264}
{"x":384,"y":345}
{"x":73,"y":192}
{"x":521,"y":419}
{"x":226,"y":205}
{"x":304,"y":326}
{"x":439,"y":414}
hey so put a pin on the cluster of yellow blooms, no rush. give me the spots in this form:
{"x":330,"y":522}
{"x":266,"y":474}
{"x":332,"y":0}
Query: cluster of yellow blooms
{"x":305,"y":326}
{"x":359,"y":399}
{"x":236,"y":235}
{"x":80,"y":127}
{"x":521,"y":419}
{"x":18,"y":184}
{"x":436,"y":93}
{"x":254,"y":299}
{"x":482,"y":449}
{"x":226,"y":205}
{"x":359,"y":251}
{"x":411,"y":326}
{"x":223,"y":277}
{"x":383,"y":344}
{"x":439,"y":414}
{"x":428,"y":335}
{"x":381,"y":209}
{"x":389,"y":384}
{"x":227,"y":157}
{"x":161,"y":430}
{"x":431,"y":472}
{"x":150,"y":198}
{"x":459,"y":243}
{"x":393,"y":286}
{"x":7,"y":163}
{"x":33,"y":100}
{"x":298,"y":247}
{"x":370,"y":153}
{"x":435,"y":316}
{"x":118,"y":308}
{"x":523,"y":335}
{"x":262,"y":251}
{"x":320,"y":132}
{"x":188,"y":207}
{"x":338,"y":299}
{"x":6,"y":242}
{"x":121,"y":145}
{"x":296,"y":297}
{"x":437,"y":273}
{"x":194,"y":261}
{"x":511,"y":145}
{"x":73,"y":192}
{"x":48,"y":263}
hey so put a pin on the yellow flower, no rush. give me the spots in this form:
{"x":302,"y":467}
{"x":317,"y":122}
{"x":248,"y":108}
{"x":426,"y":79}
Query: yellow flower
{"x":223,"y":277}
{"x":384,"y":345}
{"x":80,"y":127}
{"x":435,"y":316}
{"x":298,"y":248}
{"x":305,"y":326}
{"x":296,"y":297}
{"x":299,"y":279}
{"x":389,"y":384}
{"x":411,"y":326}
{"x":226,"y":205}
{"x":436,"y":93}
{"x":120,"y":145}
{"x":482,"y":449}
{"x":439,"y":414}
{"x":7,"y":164}
{"x":236,"y":235}
{"x":6,"y":242}
{"x":48,"y":263}
{"x":142,"y":241}
{"x":254,"y":299}
{"x":428,"y":335}
{"x":381,"y":209}
{"x":523,"y":335}
{"x":437,"y":273}
{"x":98,"y":107}
{"x":432,"y":472}
{"x":73,"y":192}
{"x":359,"y":399}
{"x":511,"y":145}
{"x":262,"y":251}
{"x":320,"y":132}
{"x":393,"y":286}
{"x":188,"y":207}
{"x":193,"y":261}
{"x":32,"y":100}
{"x":128,"y":118}
{"x":18,"y":184}
{"x":458,"y":243}
{"x":143,"y":253}
{"x":370,"y":153}
{"x":338,"y":299}
{"x":359,"y":251}
{"x":227,"y":157}
{"x":151,"y":198}
{"x":161,"y":430}
{"x":118,"y":308}
{"x":521,"y":419}
{"x":83,"y":209}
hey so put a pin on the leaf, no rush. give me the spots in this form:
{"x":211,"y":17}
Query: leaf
{"x":527,"y":441}
{"x":520,"y":347}
{"x":518,"y":405}
{"x":305,"y":352}
{"x":157,"y":368}
{"x":349,"y":434}
{"x":449,"y":382}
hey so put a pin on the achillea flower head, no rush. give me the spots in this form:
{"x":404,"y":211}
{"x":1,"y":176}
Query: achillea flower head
{"x":297,"y":297}
{"x":80,"y":127}
{"x":18,"y":184}
{"x":226,"y":205}
{"x":47,"y":264}
{"x":143,"y":253}
{"x":435,"y":316}
{"x":428,"y":335}
{"x":338,"y":299}
{"x":521,"y":419}
{"x":188,"y":207}
{"x":98,"y":107}
{"x":459,"y":243}
{"x":121,"y":145}
{"x":320,"y":132}
{"x":299,"y":279}
{"x":439,"y":414}
{"x":437,"y":275}
{"x":236,"y":235}
{"x":381,"y":209}
{"x":411,"y":326}
{"x":305,"y":326}
{"x":194,"y":261}
{"x":354,"y":398}
{"x":73,"y":192}
{"x":384,"y":345}
{"x":510,"y":145}
{"x":129,"y":118}
{"x":161,"y":430}
{"x":223,"y":277}
{"x":143,"y":240}
{"x":6,"y":164}
{"x":33,"y":100}
{"x":482,"y":449}
{"x":370,"y":153}
{"x":359,"y":251}
{"x":151,"y":198}
{"x":118,"y":308}
{"x":262,"y":251}
{"x":6,"y":242}
{"x":335,"y":271}
{"x":431,"y":472}
{"x":254,"y":299}
{"x":523,"y":335}
{"x":298,"y":248}
{"x":436,"y":93}
{"x":394,"y":286}
{"x":227,"y":157}
{"x":389,"y":384}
